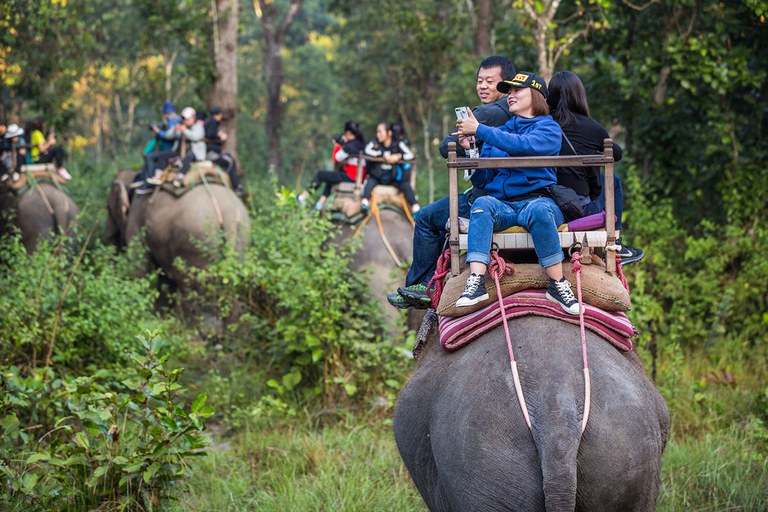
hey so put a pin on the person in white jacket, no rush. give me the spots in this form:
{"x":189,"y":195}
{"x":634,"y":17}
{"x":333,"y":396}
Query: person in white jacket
{"x":194,"y":133}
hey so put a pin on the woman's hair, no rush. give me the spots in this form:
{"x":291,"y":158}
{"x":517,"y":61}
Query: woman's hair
{"x":354,"y":127}
{"x":567,"y":97}
{"x":35,"y":124}
{"x":539,"y":105}
{"x":398,"y":131}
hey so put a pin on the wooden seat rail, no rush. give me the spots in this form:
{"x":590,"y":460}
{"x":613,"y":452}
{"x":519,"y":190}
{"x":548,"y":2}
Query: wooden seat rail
{"x":511,"y":240}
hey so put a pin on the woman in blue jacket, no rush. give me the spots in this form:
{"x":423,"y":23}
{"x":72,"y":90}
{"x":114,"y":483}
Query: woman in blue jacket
{"x":517,"y":196}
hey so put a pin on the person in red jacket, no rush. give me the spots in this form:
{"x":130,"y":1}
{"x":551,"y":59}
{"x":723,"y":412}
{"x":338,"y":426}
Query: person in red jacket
{"x":346,"y":149}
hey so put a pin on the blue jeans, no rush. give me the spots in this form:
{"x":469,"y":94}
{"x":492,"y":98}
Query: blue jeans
{"x":429,"y":235}
{"x":598,"y":205}
{"x":539,"y":215}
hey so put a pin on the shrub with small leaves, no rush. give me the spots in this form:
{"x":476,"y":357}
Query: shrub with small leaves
{"x":85,"y":443}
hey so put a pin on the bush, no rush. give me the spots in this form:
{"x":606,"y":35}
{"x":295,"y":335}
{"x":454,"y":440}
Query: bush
{"x":81,"y":443}
{"x":70,"y":308}
{"x":294,"y":305}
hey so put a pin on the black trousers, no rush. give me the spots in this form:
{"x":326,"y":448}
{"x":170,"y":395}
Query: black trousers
{"x":55,"y":154}
{"x":329,"y":178}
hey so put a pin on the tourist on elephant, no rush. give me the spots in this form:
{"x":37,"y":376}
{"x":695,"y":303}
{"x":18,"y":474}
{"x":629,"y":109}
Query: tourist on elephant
{"x":157,"y":155}
{"x":393,"y":152}
{"x":517,"y":196}
{"x":404,"y":168}
{"x":429,"y":234}
{"x":190,"y":132}
{"x":12,"y":142}
{"x":215,"y":138}
{"x":582,"y":135}
{"x":346,"y":149}
{"x":43,"y":148}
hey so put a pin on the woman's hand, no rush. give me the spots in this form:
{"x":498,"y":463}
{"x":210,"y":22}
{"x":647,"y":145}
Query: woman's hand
{"x":466,"y":126}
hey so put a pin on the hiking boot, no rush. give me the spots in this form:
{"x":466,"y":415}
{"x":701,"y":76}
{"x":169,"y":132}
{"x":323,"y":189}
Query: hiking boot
{"x":629,"y":254}
{"x":474,"y":291}
{"x":398,"y":301}
{"x":560,"y":293}
{"x":416,"y":295}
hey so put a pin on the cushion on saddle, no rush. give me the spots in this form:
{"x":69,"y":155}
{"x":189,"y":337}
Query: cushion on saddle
{"x":599,"y":288}
{"x":205,"y":171}
{"x":32,"y":173}
{"x":588,"y":223}
{"x":614,"y":327}
{"x":387,"y":194}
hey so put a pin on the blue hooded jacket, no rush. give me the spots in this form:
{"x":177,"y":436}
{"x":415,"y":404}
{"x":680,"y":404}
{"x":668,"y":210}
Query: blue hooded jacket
{"x":520,"y":136}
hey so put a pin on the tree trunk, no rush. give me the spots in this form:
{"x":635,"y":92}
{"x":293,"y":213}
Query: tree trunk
{"x":481,"y":38}
{"x":275,"y":30}
{"x":226,"y":19}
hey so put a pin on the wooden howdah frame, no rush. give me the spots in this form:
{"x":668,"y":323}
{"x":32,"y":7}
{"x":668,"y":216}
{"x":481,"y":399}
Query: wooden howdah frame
{"x":604,"y":238}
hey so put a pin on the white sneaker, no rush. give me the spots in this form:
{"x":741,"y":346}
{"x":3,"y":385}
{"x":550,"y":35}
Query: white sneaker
{"x":63,"y":173}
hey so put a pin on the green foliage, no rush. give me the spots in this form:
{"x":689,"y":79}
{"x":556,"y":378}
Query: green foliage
{"x":69,"y":308}
{"x":298,"y":306}
{"x":97,"y":442}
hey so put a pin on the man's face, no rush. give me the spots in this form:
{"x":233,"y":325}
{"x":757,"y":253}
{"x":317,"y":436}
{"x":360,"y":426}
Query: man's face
{"x":487,"y":78}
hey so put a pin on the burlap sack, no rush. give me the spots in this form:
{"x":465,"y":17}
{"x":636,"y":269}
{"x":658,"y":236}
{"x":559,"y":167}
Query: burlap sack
{"x":598,"y":288}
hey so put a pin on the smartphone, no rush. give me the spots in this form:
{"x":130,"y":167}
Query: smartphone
{"x":461,"y":113}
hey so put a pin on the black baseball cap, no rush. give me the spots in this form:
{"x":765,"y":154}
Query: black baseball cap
{"x":215,"y":109}
{"x":524,"y":79}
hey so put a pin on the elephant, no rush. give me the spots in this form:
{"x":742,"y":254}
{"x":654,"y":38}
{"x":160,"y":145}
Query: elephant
{"x":462,"y":435}
{"x":374,"y":260}
{"x":180,"y":226}
{"x":40,"y":211}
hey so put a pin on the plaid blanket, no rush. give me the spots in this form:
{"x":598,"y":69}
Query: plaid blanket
{"x":455,"y":332}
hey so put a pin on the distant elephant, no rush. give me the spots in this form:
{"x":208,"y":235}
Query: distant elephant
{"x":190,"y":226}
{"x":43,"y":210}
{"x":373,"y":258}
{"x":461,"y":433}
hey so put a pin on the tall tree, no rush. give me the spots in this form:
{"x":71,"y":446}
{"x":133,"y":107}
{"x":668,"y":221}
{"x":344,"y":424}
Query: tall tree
{"x":225,"y":16}
{"x":275,"y":25}
{"x":482,"y":18}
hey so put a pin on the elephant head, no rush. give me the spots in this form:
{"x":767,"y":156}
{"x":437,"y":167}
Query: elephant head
{"x":462,"y":435}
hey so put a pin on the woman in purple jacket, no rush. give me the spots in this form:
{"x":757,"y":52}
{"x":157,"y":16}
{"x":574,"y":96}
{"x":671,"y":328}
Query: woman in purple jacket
{"x":517,"y":196}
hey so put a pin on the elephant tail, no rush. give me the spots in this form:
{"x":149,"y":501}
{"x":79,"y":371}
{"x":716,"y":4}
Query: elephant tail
{"x":556,"y":429}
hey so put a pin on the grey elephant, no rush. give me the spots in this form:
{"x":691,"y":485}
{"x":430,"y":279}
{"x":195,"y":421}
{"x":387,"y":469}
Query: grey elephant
{"x":462,"y":435}
{"x":373,"y":260}
{"x":191,"y":226}
{"x":39,"y":211}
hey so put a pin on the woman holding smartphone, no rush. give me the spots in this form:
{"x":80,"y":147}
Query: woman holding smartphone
{"x":517,"y":196}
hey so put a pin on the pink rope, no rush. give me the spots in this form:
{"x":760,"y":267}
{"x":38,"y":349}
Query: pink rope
{"x":576,"y":261}
{"x":621,"y":273}
{"x":498,"y":267}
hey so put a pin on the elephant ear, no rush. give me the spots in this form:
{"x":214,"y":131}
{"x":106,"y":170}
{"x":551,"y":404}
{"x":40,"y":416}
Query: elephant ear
{"x":426,"y":332}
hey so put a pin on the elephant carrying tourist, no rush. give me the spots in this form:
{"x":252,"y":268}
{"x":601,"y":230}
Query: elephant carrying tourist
{"x":383,"y":268}
{"x":192,"y":225}
{"x":40,"y":209}
{"x":462,"y":435}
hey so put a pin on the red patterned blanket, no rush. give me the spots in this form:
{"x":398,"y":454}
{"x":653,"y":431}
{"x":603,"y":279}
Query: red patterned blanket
{"x":456,"y":332}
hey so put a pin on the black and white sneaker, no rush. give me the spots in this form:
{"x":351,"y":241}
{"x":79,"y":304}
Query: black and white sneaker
{"x":629,"y":254}
{"x":560,"y":293}
{"x":474,"y":291}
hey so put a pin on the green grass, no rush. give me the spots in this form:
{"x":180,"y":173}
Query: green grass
{"x":723,"y":471}
{"x":337,"y":468}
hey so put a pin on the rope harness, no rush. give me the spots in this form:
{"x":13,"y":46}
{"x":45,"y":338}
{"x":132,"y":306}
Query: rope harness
{"x":376,"y":213}
{"x":576,"y":257}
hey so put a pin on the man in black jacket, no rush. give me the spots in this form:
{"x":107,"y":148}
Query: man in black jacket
{"x":429,"y":233}
{"x":215,"y":138}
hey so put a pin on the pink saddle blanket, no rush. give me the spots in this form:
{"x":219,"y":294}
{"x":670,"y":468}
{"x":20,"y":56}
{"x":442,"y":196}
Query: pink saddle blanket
{"x":455,"y":332}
